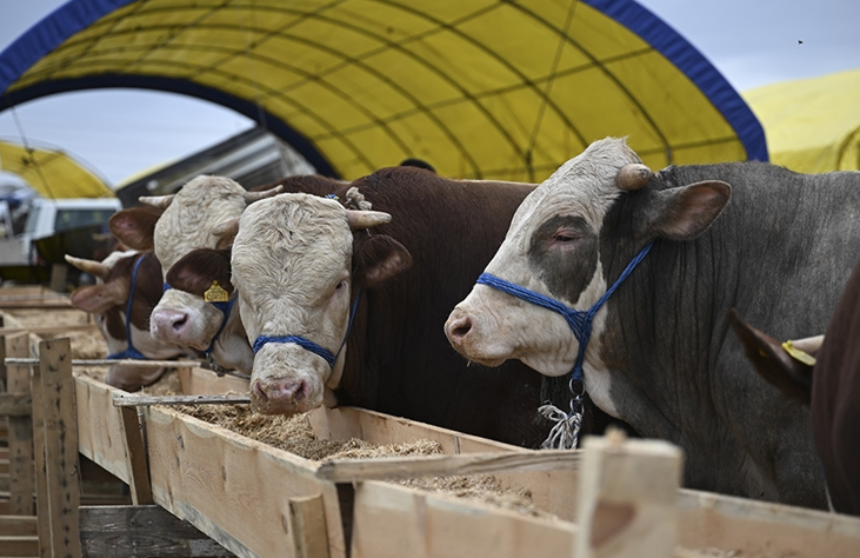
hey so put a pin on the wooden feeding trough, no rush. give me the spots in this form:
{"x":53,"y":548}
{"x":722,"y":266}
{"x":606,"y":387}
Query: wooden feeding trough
{"x":616,"y":498}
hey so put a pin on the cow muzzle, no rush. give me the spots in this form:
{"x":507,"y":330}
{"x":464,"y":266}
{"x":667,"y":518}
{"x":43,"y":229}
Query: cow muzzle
{"x":281,"y":396}
{"x":464,"y":333}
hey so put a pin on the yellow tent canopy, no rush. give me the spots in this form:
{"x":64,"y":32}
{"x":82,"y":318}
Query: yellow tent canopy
{"x":51,"y":173}
{"x":812,"y":125}
{"x":479,"y":88}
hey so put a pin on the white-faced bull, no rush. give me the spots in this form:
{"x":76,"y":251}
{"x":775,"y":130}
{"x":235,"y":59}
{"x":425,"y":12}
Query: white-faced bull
{"x":299,"y":262}
{"x":660,"y":356}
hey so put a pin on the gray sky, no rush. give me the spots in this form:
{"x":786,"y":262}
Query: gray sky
{"x":122,"y":132}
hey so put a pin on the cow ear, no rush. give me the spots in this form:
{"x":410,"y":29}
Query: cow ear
{"x":195,"y":271}
{"x":377,"y":258}
{"x":792,"y":377}
{"x":686,"y":212}
{"x":135,"y":227}
{"x":98,"y":299}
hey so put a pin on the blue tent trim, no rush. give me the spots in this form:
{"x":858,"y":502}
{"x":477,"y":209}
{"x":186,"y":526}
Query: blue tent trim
{"x":172,"y":85}
{"x":49,"y":33}
{"x":77,"y":15}
{"x":689,"y":60}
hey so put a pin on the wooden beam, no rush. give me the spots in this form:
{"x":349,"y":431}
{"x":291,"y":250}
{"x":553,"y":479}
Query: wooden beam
{"x":146,"y":401}
{"x":390,"y":468}
{"x":141,"y":531}
{"x":22,"y":472}
{"x":15,"y":404}
{"x":61,"y":445}
{"x":628,"y":498}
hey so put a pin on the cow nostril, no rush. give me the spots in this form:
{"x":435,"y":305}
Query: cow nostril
{"x":460,"y":328}
{"x":180,"y":322}
{"x":258,"y":391}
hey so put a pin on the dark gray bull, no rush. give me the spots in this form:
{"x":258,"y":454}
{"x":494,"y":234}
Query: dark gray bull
{"x":661,"y":356}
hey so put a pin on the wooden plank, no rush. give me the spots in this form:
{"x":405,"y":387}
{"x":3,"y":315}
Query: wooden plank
{"x":42,"y":330}
{"x":22,"y":482}
{"x":146,"y":400}
{"x":15,"y":404}
{"x":308,"y":521}
{"x":141,"y":490}
{"x":43,"y":506}
{"x":753,"y":528}
{"x":234,"y":489}
{"x":19,"y":546}
{"x":628,"y":496}
{"x":18,"y":525}
{"x":59,"y":272}
{"x":61,"y":446}
{"x":200,"y":381}
{"x":344,"y":423}
{"x":101,"y":436}
{"x":393,"y":521}
{"x":408,"y":467}
{"x":142,"y":531}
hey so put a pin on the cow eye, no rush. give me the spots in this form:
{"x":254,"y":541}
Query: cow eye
{"x":563,"y":237}
{"x":340,"y":285}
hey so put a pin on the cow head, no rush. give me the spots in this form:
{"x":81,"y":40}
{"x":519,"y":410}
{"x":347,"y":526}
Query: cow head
{"x":602,"y":206}
{"x":108,"y":302}
{"x":190,"y":220}
{"x":296,"y":267}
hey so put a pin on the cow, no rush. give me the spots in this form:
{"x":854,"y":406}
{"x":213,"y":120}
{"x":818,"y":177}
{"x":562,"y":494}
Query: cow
{"x":346,"y":306}
{"x":657,"y":352}
{"x":129,"y":287}
{"x":828,"y":383}
{"x":174,"y":226}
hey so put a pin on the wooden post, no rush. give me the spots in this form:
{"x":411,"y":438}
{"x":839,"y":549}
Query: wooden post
{"x":628,"y":497}
{"x":307,"y":515}
{"x":59,"y":272}
{"x":43,"y":511}
{"x":61,"y":446}
{"x":138,"y":468}
{"x":22,"y":473}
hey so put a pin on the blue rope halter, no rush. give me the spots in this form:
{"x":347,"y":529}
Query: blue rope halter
{"x":225,"y":308}
{"x":131,"y":352}
{"x":309,"y":345}
{"x":566,"y":432}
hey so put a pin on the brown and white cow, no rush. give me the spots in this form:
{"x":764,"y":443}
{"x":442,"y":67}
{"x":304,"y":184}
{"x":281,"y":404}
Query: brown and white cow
{"x":299,"y":261}
{"x":189,"y":221}
{"x":829,"y":386}
{"x":122,"y":329}
{"x":660,"y":356}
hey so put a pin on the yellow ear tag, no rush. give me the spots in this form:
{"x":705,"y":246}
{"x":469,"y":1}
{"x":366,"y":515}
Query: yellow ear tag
{"x":215,"y":293}
{"x":797,"y":354}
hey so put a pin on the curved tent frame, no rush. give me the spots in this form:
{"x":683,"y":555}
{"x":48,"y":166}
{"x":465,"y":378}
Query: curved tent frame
{"x":480,"y":88}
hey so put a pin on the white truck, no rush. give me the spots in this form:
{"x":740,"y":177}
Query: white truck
{"x":53,"y":228}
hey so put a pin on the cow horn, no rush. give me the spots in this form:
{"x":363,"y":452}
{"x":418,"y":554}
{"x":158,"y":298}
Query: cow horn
{"x":633,"y":176}
{"x":89,"y":266}
{"x":366,"y":219}
{"x":226,"y":228}
{"x":160,"y":202}
{"x":251,"y":197}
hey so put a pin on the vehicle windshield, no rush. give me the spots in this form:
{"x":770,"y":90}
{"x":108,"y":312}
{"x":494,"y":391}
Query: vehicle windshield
{"x":69,"y":219}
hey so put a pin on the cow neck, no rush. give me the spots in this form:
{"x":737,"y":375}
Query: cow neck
{"x":307,"y":344}
{"x":565,"y":433}
{"x":130,"y":352}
